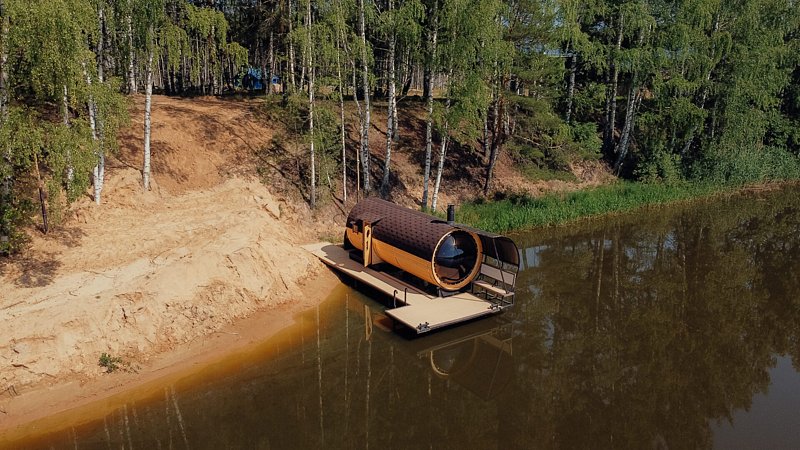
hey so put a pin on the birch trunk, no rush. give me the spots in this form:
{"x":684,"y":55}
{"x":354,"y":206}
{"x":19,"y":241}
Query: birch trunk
{"x":573,"y":67}
{"x":7,"y":181}
{"x":391,"y":113}
{"x":443,"y":149}
{"x":433,"y":32}
{"x":98,"y":173}
{"x":65,"y":114}
{"x":365,"y":85}
{"x":485,"y":143}
{"x":310,"y":71}
{"x":611,"y":93}
{"x":291,"y":48}
{"x":131,"y":61}
{"x":270,"y":62}
{"x":148,"y":96}
{"x":361,"y":125}
{"x":440,"y":169}
{"x":42,"y":192}
{"x":634,"y":100}
{"x":341,"y":117}
{"x":101,"y":16}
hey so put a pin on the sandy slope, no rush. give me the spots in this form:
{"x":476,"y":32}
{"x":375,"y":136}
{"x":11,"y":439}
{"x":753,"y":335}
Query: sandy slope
{"x":145,"y":272}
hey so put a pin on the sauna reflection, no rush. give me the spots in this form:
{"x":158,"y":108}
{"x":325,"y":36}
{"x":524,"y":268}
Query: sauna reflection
{"x":634,"y":332}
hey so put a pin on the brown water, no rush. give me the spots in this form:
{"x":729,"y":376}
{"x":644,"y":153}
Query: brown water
{"x":677,"y":328}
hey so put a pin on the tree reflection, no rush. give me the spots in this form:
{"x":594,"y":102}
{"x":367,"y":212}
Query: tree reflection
{"x":659,"y":322}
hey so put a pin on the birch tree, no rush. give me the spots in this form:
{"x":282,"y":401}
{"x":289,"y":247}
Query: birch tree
{"x":365,"y":87}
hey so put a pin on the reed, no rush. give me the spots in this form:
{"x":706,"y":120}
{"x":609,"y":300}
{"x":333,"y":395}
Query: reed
{"x":521,"y":211}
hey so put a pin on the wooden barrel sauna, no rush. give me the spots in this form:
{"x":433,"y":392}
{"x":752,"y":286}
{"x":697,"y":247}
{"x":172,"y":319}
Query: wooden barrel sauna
{"x":444,"y":254}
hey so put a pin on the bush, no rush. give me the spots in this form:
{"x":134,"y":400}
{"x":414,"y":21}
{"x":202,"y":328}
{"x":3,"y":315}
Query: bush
{"x":110,"y":363}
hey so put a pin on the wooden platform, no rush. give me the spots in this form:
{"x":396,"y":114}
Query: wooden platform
{"x":420,"y":311}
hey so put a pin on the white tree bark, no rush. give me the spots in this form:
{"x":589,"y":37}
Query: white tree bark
{"x":131,"y":62}
{"x":147,"y":106}
{"x":341,"y":116}
{"x":98,"y":173}
{"x":442,"y":154}
{"x":361,"y":126}
{"x":310,"y":71}
{"x":365,"y":86}
{"x":65,"y":113}
{"x":433,"y":33}
{"x":291,"y":46}
{"x":101,"y":16}
{"x":391,"y":113}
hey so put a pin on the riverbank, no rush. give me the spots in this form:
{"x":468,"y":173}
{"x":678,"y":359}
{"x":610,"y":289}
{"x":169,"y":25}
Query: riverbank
{"x":67,"y":403}
{"x":156,"y":279}
{"x":521,"y":212}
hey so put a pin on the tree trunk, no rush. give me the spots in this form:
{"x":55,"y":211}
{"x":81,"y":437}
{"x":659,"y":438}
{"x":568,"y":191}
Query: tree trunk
{"x":365,"y":86}
{"x":498,"y":136}
{"x":147,"y":105}
{"x":291,"y":48}
{"x":65,"y":119}
{"x":5,"y":195}
{"x":341,"y":117}
{"x":310,"y":71}
{"x":131,"y":61}
{"x":573,"y":67}
{"x":360,"y":127}
{"x":485,"y":142}
{"x":391,"y":113}
{"x":270,"y":63}
{"x":42,"y":192}
{"x":432,"y":36}
{"x":3,"y":62}
{"x":634,"y":100}
{"x":101,"y":17}
{"x":611,"y":94}
{"x":99,"y":170}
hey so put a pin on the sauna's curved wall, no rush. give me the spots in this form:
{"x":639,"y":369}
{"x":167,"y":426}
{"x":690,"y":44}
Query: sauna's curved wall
{"x":420,"y":244}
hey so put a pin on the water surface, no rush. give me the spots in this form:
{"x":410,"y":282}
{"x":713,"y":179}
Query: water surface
{"x":669,"y":328}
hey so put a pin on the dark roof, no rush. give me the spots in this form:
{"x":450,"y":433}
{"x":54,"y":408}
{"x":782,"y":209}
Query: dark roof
{"x":419,"y":233}
{"x":409,"y":230}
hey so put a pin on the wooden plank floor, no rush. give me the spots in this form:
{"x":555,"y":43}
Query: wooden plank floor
{"x":422,"y":312}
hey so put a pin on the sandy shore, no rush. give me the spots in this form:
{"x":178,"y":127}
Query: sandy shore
{"x":165,"y":282}
{"x":52,"y":405}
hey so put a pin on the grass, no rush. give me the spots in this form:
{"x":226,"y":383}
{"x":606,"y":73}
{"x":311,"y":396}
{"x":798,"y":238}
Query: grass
{"x":110,"y":363}
{"x":518,"y":212}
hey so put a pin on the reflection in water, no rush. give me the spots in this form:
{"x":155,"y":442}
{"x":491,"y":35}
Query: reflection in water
{"x":655,"y":330}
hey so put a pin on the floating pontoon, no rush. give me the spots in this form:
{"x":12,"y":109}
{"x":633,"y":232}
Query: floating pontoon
{"x":459,"y":273}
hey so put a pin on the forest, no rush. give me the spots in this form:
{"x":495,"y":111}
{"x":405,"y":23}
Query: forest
{"x":693,"y":91}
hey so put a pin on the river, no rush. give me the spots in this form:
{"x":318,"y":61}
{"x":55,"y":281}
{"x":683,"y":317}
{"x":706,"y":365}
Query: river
{"x":666,"y":328}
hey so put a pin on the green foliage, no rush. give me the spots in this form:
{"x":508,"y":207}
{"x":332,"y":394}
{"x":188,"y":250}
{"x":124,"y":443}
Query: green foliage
{"x":110,"y":363}
{"x":520,"y":211}
{"x":747,"y":166}
{"x":20,"y":139}
{"x":50,"y":57}
{"x":585,"y":136}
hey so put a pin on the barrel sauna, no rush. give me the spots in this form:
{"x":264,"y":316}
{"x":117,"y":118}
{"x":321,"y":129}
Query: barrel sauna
{"x":441,"y":253}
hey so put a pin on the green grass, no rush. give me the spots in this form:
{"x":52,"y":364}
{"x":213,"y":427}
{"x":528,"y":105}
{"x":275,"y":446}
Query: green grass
{"x":518,"y":212}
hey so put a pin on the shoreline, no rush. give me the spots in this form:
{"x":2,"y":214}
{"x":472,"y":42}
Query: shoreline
{"x":521,"y":213}
{"x":45,"y":407}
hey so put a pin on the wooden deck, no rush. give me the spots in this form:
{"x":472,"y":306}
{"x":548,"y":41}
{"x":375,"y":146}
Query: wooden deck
{"x":421,"y":311}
